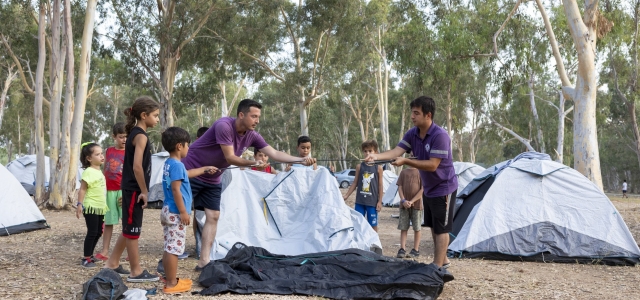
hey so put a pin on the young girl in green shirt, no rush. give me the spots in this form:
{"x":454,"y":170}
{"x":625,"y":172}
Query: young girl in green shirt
{"x":92,"y":199}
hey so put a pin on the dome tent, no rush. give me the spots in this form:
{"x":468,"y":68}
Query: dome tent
{"x":534,"y":209}
{"x":19,"y":212}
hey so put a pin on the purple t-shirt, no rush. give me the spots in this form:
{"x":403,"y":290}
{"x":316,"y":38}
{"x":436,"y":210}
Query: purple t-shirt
{"x":206,"y":151}
{"x":436,"y":144}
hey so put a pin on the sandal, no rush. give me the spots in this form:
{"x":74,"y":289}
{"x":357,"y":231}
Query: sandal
{"x":145,"y":276}
{"x":446,"y":266}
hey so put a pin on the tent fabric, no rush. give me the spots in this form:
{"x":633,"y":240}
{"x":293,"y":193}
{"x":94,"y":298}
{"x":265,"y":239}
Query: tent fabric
{"x":344,"y":274}
{"x":24,"y":169}
{"x":304,"y":213}
{"x":19,"y":212}
{"x":390,"y":197}
{"x":157,"y":165}
{"x":537,"y":208}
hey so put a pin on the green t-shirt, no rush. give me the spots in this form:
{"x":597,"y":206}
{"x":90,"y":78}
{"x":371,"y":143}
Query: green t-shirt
{"x":95,"y":200}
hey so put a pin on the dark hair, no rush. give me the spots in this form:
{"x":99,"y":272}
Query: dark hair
{"x":369,"y":144}
{"x":118,"y":128}
{"x":173,"y":136}
{"x":426,"y":104}
{"x":245,"y":105}
{"x":143,"y":104}
{"x":201,"y":131}
{"x":256,"y":150}
{"x":87,"y":150}
{"x":303,"y":139}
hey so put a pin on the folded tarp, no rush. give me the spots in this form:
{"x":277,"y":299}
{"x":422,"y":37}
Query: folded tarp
{"x":344,"y":274}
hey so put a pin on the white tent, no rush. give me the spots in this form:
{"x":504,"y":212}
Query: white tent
{"x":157,"y":165}
{"x":18,"y":212}
{"x":533,"y":208}
{"x":24,"y":169}
{"x":465,"y":172}
{"x":304,"y":213}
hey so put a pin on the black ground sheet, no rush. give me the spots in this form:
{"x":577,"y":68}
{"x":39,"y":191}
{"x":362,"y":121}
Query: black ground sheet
{"x":346,"y":274}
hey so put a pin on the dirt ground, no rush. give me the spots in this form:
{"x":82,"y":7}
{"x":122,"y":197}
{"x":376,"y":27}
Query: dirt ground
{"x":44,"y":264}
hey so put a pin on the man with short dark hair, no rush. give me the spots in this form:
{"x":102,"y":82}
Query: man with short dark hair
{"x":201,"y":131}
{"x":431,"y":146}
{"x":221,"y":146}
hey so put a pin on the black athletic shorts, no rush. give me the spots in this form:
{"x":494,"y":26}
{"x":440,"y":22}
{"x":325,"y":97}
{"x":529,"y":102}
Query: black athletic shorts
{"x":438,"y":212}
{"x":131,"y":214}
{"x":205,"y":195}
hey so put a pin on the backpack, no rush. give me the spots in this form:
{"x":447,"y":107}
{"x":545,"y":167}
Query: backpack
{"x":106,"y":285}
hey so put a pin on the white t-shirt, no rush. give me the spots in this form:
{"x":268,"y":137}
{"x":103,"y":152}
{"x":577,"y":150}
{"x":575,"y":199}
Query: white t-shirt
{"x":624,"y":186}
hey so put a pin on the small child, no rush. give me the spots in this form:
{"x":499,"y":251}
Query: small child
{"x":177,"y":205}
{"x":136,"y":175}
{"x":92,"y":202}
{"x":369,"y":196}
{"x":410,"y":192}
{"x":201,"y":132}
{"x":259,"y":156}
{"x":114,"y":159}
{"x":624,"y":189}
{"x":304,"y":150}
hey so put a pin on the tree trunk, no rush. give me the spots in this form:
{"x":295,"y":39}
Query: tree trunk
{"x":168,"y":69}
{"x":534,"y":110}
{"x":223,"y":100}
{"x":5,"y":89}
{"x":37,"y":109}
{"x":58,"y":51}
{"x":561,"y":116}
{"x":458,"y":137}
{"x":585,"y":137}
{"x":304,"y":121}
{"x":81,"y":96}
{"x":63,"y":192}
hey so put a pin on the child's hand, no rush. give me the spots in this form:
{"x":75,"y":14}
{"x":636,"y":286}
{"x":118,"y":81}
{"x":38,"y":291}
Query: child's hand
{"x":210,"y":170}
{"x":288,"y":168}
{"x":79,"y":211}
{"x":371,"y":158}
{"x":143,"y":198}
{"x":407,"y":204}
{"x":184,"y":218}
{"x":379,"y":206}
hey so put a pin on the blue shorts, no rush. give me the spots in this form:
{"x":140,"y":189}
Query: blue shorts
{"x":369,"y":212}
{"x":205,"y":195}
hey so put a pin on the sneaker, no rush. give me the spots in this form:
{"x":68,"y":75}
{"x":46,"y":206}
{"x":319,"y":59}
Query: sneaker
{"x":414,"y":253}
{"x":184,"y":255}
{"x":184,"y":285}
{"x":101,"y":257}
{"x":88,"y":263}
{"x":160,"y":268}
{"x":401,"y":253}
{"x":145,"y":276}
{"x":121,"y":271}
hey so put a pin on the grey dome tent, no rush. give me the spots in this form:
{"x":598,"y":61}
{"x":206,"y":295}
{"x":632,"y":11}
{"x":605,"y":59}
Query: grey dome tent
{"x":19,"y":212}
{"x":24,"y":170}
{"x":534,"y":209}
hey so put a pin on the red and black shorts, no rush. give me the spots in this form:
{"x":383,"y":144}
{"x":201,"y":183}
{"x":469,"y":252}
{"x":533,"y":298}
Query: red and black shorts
{"x":438,"y":212}
{"x":131,"y":214}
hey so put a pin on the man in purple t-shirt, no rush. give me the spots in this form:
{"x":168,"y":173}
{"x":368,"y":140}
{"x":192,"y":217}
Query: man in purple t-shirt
{"x":221,"y":146}
{"x":431,"y":145}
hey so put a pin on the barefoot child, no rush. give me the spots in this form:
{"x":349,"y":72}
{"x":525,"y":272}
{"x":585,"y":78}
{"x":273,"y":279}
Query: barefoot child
{"x":369,"y":182}
{"x":410,"y":192}
{"x":177,"y":205}
{"x":114,"y":159}
{"x":136,"y":174}
{"x":92,"y":202}
{"x":304,"y":151}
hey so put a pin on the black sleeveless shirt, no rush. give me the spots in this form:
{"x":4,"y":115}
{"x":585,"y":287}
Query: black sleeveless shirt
{"x":129,"y":181}
{"x":368,"y":187}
